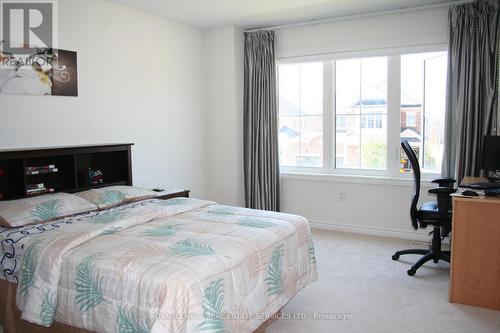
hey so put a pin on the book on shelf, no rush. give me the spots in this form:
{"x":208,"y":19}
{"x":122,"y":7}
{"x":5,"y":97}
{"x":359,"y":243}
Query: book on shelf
{"x":44,"y":191}
{"x":35,"y":186}
{"x":41,"y":171}
{"x":34,"y":190}
{"x":43,"y":167}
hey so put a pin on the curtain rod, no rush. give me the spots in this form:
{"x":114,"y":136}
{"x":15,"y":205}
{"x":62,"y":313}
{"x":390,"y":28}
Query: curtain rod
{"x":351,"y":17}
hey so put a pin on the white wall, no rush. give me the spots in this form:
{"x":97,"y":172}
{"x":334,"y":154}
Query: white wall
{"x":224,"y":116}
{"x":140,"y":81}
{"x":379,"y":207}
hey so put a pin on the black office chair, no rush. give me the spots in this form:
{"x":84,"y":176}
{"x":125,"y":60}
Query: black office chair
{"x":437,"y":214}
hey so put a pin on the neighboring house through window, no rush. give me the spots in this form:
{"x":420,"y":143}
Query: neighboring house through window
{"x":366,"y":116}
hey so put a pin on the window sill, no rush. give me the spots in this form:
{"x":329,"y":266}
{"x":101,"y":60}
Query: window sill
{"x":356,"y":179}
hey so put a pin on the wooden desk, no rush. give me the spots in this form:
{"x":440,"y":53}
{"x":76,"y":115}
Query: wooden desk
{"x":475,"y":251}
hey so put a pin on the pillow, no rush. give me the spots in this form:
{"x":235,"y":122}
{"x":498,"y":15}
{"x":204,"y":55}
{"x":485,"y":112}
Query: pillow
{"x":115,"y":195}
{"x":43,"y":208}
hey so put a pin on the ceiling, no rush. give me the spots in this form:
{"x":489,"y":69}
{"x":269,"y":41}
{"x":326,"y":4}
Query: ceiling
{"x":260,"y":13}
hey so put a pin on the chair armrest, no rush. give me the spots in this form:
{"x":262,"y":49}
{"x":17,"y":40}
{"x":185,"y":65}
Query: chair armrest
{"x":444,"y":182}
{"x":443,"y":200}
{"x":442,"y":191}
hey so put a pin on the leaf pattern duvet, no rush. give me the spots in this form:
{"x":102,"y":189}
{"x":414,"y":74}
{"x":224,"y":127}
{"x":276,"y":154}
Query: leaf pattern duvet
{"x":180,"y":265}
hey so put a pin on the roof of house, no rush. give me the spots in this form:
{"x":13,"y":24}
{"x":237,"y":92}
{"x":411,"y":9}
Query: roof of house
{"x":411,"y":135}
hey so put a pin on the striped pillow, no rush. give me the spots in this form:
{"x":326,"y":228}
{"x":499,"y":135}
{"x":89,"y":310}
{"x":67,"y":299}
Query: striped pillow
{"x":111,"y":196}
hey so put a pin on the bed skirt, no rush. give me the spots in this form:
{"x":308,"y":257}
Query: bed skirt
{"x":10,"y":316}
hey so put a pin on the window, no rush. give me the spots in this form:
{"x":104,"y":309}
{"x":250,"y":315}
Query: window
{"x":349,"y":115}
{"x":341,"y":124}
{"x":361,"y":94}
{"x":423,"y":87}
{"x":301,"y":115}
{"x":411,"y":119}
{"x":371,"y":121}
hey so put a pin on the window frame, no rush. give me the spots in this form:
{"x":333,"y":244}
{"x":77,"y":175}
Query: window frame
{"x":329,"y":113}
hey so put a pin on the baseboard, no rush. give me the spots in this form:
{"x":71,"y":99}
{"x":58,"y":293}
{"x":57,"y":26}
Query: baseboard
{"x":372,"y":231}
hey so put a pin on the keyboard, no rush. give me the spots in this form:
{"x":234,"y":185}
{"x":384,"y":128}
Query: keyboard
{"x":492,"y":192}
{"x":494,"y":180}
{"x":484,"y":186}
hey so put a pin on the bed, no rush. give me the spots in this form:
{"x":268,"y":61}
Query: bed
{"x":178,"y":265}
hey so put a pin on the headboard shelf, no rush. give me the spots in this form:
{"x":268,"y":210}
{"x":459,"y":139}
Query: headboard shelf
{"x":102,"y":185}
{"x":28,"y":172}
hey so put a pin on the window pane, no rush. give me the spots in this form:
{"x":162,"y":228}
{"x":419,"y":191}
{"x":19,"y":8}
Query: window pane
{"x":411,"y":119}
{"x":423,"y":92}
{"x":301,"y":114}
{"x":311,"y":142}
{"x":347,"y":147}
{"x":374,"y":144}
{"x":373,"y":84}
{"x":289,"y":90}
{"x":289,"y":140}
{"x":348,"y":84}
{"x":434,"y":106}
{"x":311,"y":88}
{"x":361,"y":93}
{"x":340,"y":123}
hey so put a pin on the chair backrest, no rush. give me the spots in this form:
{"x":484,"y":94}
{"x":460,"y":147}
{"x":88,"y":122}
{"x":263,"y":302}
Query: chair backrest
{"x":416,"y":181}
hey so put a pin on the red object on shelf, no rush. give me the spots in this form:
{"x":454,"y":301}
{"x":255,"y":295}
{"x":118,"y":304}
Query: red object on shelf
{"x":1,"y":196}
{"x":2,"y":172}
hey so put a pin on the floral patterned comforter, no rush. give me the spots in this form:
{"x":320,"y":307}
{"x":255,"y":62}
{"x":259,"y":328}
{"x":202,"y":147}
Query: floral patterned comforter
{"x":181,"y":265}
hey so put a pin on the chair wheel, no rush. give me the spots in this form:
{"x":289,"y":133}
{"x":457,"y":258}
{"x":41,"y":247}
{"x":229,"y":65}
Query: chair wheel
{"x":411,"y":272}
{"x":395,"y":257}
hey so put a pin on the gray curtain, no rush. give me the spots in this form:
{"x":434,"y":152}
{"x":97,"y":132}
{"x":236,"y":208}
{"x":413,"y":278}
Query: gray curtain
{"x":472,"y":95}
{"x":261,"y":156}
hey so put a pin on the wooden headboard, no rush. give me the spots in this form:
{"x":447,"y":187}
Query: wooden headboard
{"x":62,"y":169}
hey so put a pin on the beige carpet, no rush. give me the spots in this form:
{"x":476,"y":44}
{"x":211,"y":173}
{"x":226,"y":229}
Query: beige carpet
{"x":370,"y":293}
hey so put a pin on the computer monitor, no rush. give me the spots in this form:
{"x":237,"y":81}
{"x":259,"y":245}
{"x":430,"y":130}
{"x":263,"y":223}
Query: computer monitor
{"x":491,"y":153}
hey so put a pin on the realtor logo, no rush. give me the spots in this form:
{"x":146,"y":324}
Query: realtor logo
{"x":28,"y":25}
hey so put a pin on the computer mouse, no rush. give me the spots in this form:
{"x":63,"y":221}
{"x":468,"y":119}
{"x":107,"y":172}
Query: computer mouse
{"x":470,"y":193}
